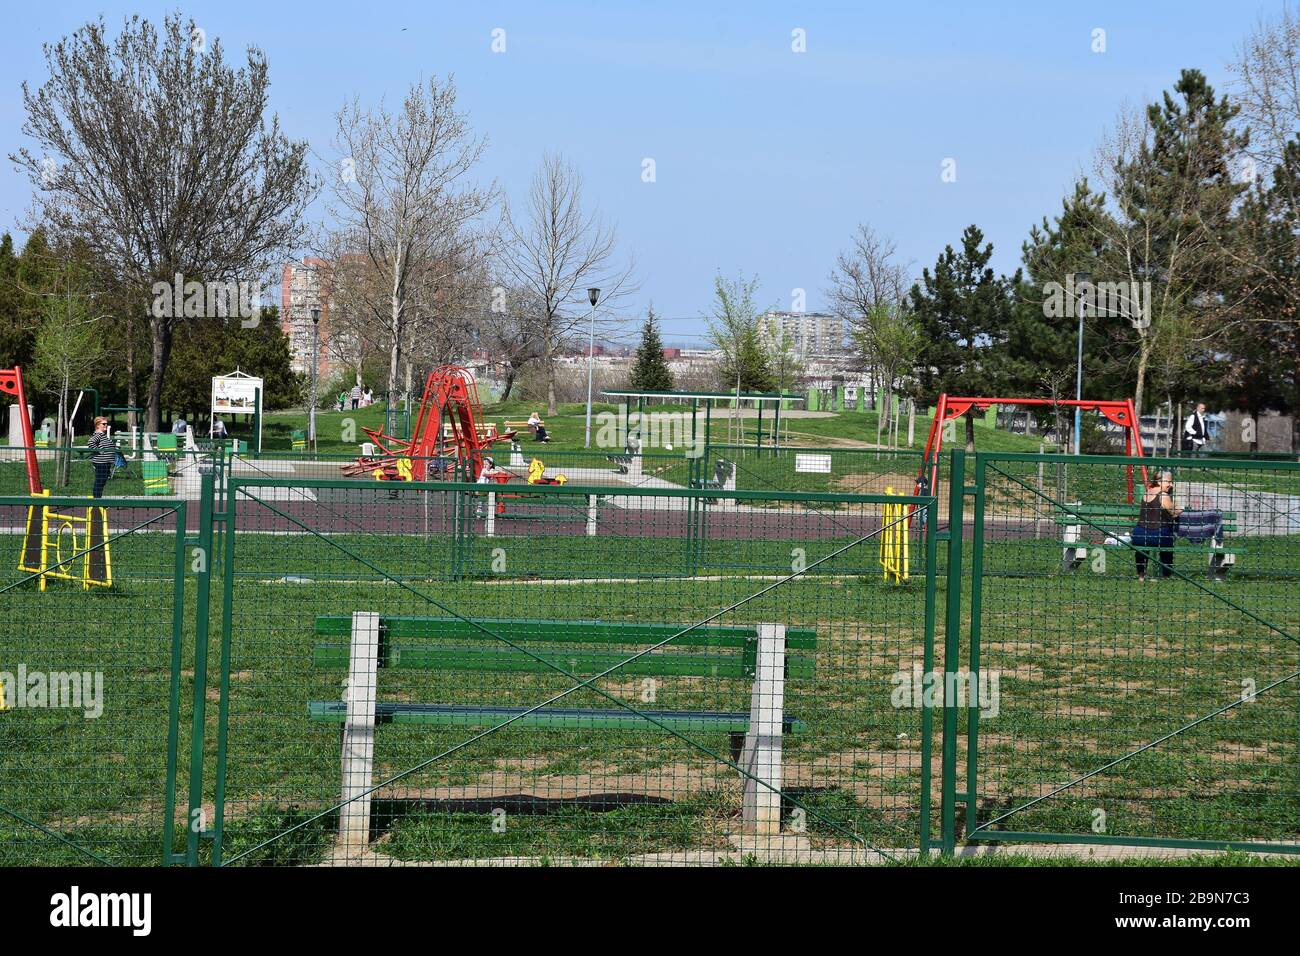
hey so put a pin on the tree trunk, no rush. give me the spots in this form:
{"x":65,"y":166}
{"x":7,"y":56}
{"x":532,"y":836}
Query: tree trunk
{"x":132,"y":389}
{"x":1144,"y":359}
{"x":551,"y":407}
{"x":161,"y":335}
{"x":394,"y":351}
{"x":510,"y":383}
{"x":970,"y":430}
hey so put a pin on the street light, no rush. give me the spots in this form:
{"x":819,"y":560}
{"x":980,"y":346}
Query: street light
{"x":311,"y":414}
{"x":1080,"y":279}
{"x":593,"y":295}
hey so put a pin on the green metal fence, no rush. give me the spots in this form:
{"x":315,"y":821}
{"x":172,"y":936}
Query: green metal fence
{"x":587,"y":671}
{"x":566,"y":673}
{"x":93,"y":677}
{"x":1143,"y":684}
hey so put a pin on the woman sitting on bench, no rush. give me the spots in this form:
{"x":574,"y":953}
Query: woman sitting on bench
{"x":536,"y":426}
{"x":1157,"y":519}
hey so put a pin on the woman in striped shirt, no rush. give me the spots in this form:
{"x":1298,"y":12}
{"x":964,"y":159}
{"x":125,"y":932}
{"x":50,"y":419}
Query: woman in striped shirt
{"x":103,"y":452}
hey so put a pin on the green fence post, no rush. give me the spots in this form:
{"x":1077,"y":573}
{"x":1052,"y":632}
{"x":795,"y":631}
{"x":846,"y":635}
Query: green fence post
{"x":202,"y":565}
{"x":951,"y":635}
{"x":173,"y":718}
{"x":976,"y":601}
{"x":927,"y":712}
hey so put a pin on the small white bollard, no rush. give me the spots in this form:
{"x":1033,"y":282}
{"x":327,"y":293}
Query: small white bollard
{"x":491,"y":529}
{"x":591,"y":516}
{"x":761,"y":757}
{"x":1072,"y":556}
{"x":359,"y":729}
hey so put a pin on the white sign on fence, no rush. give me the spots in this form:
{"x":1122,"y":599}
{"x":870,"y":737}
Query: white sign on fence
{"x":817,"y":464}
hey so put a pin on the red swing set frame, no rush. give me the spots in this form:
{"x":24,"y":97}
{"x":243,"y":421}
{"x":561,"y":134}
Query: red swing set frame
{"x":950,"y":407}
{"x":11,"y":383}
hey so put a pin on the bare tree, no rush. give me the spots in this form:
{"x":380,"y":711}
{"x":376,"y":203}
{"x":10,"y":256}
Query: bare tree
{"x":155,"y":155}
{"x":68,"y":348}
{"x":505,"y":330}
{"x":405,"y":216}
{"x":869,"y":292}
{"x":889,"y":340}
{"x":1266,"y":84}
{"x":734,"y":330}
{"x":554,"y":251}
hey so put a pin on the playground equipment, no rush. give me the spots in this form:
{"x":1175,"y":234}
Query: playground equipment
{"x":894,"y":541}
{"x":11,"y":383}
{"x":951,"y":407}
{"x":46,"y":529}
{"x":450,"y":399}
{"x":88,"y":559}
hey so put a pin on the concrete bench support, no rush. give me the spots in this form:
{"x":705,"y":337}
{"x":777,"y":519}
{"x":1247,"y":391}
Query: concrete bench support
{"x":359,"y":730}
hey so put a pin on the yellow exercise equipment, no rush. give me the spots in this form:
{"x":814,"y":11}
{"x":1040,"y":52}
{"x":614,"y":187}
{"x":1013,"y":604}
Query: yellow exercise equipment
{"x":50,"y":530}
{"x":894,"y":540}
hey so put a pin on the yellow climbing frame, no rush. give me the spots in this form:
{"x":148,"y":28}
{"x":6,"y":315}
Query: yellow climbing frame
{"x":894,"y":541}
{"x":52,"y":531}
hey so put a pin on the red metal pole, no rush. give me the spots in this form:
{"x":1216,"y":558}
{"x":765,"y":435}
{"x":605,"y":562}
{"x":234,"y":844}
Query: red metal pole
{"x":11,"y":383}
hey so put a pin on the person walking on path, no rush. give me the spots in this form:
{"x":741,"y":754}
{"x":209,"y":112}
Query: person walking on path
{"x":103,"y":454}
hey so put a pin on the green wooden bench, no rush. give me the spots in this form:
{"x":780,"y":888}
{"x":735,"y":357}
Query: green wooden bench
{"x":366,"y":642}
{"x":298,"y":439}
{"x":1108,"y":521}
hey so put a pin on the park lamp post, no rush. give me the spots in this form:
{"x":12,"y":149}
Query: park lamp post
{"x":311,"y":413}
{"x":593,"y":295}
{"x":1080,"y":279}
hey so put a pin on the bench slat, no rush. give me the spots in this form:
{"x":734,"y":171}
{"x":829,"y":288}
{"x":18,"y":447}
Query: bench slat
{"x":551,"y":718}
{"x":416,"y":657}
{"x":1176,"y":549}
{"x":576,"y":632}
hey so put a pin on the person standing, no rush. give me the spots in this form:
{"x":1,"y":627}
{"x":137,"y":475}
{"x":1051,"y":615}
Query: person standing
{"x":1195,"y":432}
{"x":1157,"y":518}
{"x":356,"y":396}
{"x":103,"y":454}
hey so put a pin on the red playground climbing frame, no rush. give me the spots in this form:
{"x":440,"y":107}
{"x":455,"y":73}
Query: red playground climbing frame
{"x":951,"y":407}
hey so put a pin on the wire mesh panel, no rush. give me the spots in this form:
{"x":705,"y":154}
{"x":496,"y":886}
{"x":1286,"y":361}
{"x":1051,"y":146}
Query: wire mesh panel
{"x":90,"y":661}
{"x":432,"y":672}
{"x":842,"y":470}
{"x":1136,"y":626}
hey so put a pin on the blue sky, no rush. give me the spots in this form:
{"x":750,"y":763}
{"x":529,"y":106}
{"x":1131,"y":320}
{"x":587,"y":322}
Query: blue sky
{"x":765,"y":159}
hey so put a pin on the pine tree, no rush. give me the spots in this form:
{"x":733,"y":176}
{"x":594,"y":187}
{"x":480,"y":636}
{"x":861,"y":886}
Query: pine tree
{"x":650,"y":373}
{"x":964,"y":312}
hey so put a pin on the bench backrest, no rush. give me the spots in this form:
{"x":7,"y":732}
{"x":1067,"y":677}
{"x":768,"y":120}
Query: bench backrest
{"x":448,"y":643}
